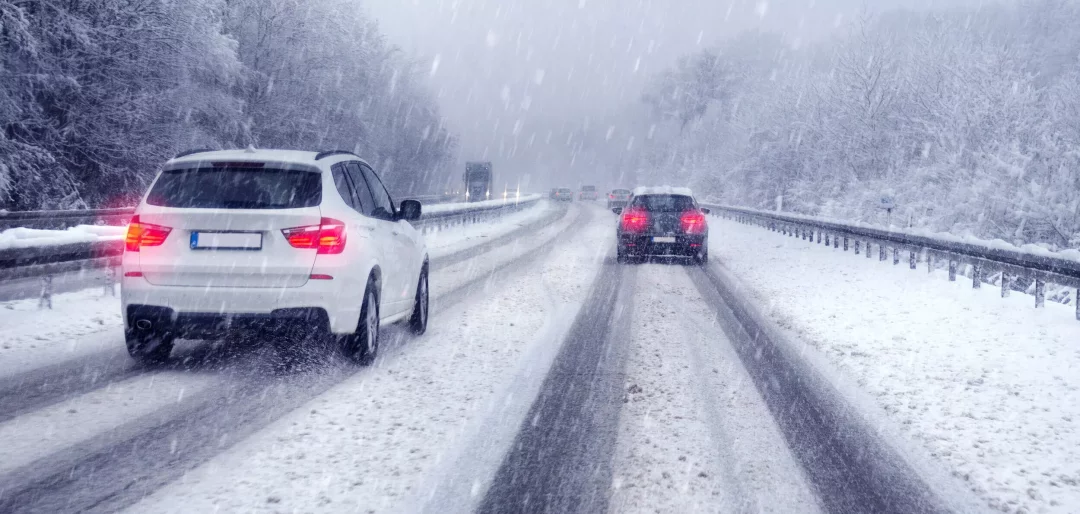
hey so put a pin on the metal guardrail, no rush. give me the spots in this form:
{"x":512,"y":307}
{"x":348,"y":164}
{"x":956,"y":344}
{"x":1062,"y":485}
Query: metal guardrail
{"x":984,"y":260}
{"x":45,"y":261}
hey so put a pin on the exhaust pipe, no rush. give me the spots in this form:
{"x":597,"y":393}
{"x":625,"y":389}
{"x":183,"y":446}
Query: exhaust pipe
{"x":143,"y":324}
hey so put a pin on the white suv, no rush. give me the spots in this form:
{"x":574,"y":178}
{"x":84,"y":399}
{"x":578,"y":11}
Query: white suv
{"x":240,"y":240}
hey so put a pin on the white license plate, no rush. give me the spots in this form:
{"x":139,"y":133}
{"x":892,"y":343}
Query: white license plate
{"x":663,"y":239}
{"x":226,"y":241}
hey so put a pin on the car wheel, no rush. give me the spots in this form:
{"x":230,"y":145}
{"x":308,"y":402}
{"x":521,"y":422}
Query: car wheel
{"x":363,"y":346}
{"x":419,"y":319}
{"x":702,"y":256}
{"x":149,"y":347}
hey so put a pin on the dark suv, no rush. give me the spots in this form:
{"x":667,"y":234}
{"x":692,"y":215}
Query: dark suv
{"x":662,"y":222}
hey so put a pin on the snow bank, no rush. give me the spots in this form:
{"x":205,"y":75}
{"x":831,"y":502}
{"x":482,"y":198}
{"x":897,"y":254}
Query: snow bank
{"x":30,"y":237}
{"x":449,"y":207}
{"x":986,"y":386}
{"x":993,"y":244}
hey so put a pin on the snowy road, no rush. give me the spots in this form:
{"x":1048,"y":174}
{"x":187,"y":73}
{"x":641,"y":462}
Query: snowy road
{"x":552,"y":379}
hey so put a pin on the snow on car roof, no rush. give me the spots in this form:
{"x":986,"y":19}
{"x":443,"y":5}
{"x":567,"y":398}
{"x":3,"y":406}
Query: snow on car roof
{"x":262,"y":155}
{"x":663,"y":190}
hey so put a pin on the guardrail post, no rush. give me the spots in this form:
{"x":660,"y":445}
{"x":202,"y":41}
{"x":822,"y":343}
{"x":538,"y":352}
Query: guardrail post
{"x":929,"y":262}
{"x":952,"y":270}
{"x":912,"y":260}
{"x":881,"y":252}
{"x":1076,"y":300}
{"x":836,"y":241}
{"x":1040,"y":293}
{"x":976,"y":276}
{"x":868,"y":252}
{"x":818,"y":237}
{"x":857,"y":247}
{"x":895,"y":256}
{"x":109,"y":287}
{"x":46,"y":292}
{"x":828,"y":242}
{"x":1006,"y":284}
{"x":845,"y":243}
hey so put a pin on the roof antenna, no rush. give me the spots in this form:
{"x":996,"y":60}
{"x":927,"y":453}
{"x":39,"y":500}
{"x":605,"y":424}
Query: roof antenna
{"x":250,"y":149}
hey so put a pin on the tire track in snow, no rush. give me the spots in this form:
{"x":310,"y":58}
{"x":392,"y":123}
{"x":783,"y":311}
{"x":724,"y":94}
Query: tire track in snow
{"x":560,"y":460}
{"x":850,"y":467}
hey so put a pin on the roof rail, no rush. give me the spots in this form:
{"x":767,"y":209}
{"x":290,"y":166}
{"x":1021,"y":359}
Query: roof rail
{"x":328,"y":153}
{"x":189,"y":152}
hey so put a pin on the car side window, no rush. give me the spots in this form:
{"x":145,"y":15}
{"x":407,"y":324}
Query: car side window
{"x":341,"y":182}
{"x":384,"y":206}
{"x":363,"y":194}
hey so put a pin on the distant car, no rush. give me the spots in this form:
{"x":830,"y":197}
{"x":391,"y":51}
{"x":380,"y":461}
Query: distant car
{"x":564,"y":194}
{"x":237,"y":240}
{"x":553,"y":193}
{"x":588,"y":193}
{"x":618,"y":198}
{"x":662,"y":221}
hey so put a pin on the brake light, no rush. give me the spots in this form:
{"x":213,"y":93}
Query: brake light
{"x":693,"y":222}
{"x":635,"y":220}
{"x":141,"y":234}
{"x":328,"y":237}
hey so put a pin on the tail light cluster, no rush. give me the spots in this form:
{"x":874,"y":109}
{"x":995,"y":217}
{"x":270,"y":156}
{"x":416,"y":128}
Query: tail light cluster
{"x":328,"y":237}
{"x":693,"y":222}
{"x":635,"y":220}
{"x":141,"y":234}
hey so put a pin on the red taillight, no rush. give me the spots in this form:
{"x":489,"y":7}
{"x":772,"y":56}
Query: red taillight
{"x":320,"y":276}
{"x":133,"y":274}
{"x":144,"y":234}
{"x":693,"y":222}
{"x":328,"y":236}
{"x":635,"y":220}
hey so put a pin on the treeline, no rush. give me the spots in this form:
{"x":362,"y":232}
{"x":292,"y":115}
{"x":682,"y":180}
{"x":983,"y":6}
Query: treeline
{"x":968,"y":120}
{"x":95,"y":95}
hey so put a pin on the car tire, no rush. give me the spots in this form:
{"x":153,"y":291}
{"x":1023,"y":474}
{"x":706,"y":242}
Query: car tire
{"x":149,"y":347}
{"x":702,"y":257}
{"x":419,"y":319}
{"x":363,"y":345}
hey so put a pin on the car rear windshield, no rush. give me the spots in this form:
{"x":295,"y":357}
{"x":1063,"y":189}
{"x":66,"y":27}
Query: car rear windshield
{"x":236,"y":188}
{"x":665,"y":203}
{"x":588,"y":188}
{"x":565,"y":190}
{"x":621,"y":191}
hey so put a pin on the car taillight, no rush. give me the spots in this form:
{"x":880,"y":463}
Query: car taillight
{"x":141,"y":234}
{"x":693,"y":222}
{"x":635,"y":220}
{"x":328,"y":236}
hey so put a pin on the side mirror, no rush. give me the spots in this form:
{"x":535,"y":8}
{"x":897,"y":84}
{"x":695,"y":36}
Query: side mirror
{"x":410,"y":210}
{"x":705,"y":210}
{"x":616,"y":210}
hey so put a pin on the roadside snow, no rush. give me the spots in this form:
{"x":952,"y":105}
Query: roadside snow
{"x":71,"y":423}
{"x":29,"y":237}
{"x":80,"y":323}
{"x":438,"y":413}
{"x":448,"y":207}
{"x":695,"y":434}
{"x":454,"y":239}
{"x":986,"y":386}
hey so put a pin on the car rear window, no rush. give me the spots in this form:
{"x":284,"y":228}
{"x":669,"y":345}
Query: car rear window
{"x":565,"y":190}
{"x":588,"y":188}
{"x":236,"y":188}
{"x":621,"y":191}
{"x":665,"y":203}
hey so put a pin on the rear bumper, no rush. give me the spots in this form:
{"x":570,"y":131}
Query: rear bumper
{"x":643,"y":245}
{"x":193,"y":325}
{"x":212,"y":310}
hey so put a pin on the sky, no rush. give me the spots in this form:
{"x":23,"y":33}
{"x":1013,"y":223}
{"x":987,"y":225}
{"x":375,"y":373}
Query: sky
{"x":518,"y":79}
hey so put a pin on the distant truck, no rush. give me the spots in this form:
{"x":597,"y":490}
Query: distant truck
{"x":478,"y":181}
